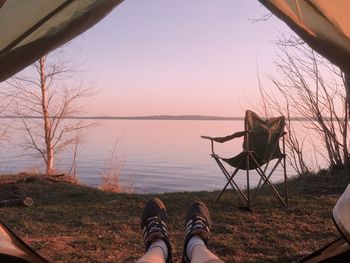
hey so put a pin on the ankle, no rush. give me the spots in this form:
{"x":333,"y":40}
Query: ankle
{"x":159,"y":243}
{"x":192,"y":243}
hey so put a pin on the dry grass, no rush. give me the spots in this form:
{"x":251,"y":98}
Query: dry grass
{"x":72,"y":223}
{"x":110,"y":179}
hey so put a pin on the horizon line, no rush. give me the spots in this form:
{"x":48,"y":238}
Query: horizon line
{"x":148,"y":117}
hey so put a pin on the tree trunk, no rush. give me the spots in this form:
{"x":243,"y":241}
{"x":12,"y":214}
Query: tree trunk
{"x":347,"y":89}
{"x":46,"y":117}
{"x":347,"y":112}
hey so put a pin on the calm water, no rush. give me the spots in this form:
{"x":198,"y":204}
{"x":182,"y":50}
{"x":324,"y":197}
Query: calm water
{"x":160,"y":155}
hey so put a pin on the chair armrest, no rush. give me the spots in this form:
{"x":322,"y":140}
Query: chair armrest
{"x":223,"y":139}
{"x":206,"y":137}
{"x":226,"y":138}
{"x":211,"y":142}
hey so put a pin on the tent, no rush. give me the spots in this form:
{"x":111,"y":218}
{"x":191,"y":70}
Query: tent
{"x":32,"y":28}
{"x":323,"y":24}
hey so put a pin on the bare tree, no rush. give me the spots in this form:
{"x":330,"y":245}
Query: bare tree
{"x":46,"y":100}
{"x":5,"y":125}
{"x":272,"y":105}
{"x":312,"y":89}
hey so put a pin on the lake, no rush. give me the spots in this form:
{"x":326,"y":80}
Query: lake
{"x":159,"y":155}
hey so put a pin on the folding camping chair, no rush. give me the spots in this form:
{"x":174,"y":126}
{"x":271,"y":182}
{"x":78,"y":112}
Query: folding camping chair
{"x":260,"y":147}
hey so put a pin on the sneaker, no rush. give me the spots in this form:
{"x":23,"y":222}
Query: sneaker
{"x":198,"y":223}
{"x":153,"y":225}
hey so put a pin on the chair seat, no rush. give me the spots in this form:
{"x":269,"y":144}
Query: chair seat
{"x":240,"y":161}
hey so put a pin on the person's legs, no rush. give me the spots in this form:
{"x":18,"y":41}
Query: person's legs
{"x":198,"y":225}
{"x":201,"y":254}
{"x":155,"y":253}
{"x":155,"y":233}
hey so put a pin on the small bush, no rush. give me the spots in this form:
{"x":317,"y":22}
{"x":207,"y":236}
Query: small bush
{"x":110,"y":179}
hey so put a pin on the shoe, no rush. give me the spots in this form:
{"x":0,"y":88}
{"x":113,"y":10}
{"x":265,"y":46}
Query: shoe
{"x":153,"y":225}
{"x":198,"y":223}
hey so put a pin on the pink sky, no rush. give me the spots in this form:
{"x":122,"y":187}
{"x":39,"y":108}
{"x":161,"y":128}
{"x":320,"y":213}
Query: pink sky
{"x":178,"y":57}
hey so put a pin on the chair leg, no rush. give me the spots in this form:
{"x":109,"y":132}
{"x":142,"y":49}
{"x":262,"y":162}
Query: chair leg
{"x":258,"y":189}
{"x":230,"y":181}
{"x":272,"y":188}
{"x":269,"y":184}
{"x":285,"y":169}
{"x":285,"y":181}
{"x":265,"y":169}
{"x":248,"y":187}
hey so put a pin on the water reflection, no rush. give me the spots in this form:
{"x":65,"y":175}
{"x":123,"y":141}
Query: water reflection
{"x":161,"y":155}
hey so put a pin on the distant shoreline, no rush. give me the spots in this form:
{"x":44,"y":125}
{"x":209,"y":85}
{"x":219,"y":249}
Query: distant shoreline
{"x":165,"y":117}
{"x":153,"y":117}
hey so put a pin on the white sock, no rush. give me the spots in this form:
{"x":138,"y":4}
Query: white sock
{"x":194,"y":241}
{"x":160,"y":243}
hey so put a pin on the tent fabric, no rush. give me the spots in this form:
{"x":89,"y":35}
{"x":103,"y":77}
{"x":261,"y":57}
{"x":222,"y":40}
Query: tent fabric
{"x":341,"y":214}
{"x":32,"y":28}
{"x":323,"y":24}
{"x":336,"y":251}
{"x":13,"y":249}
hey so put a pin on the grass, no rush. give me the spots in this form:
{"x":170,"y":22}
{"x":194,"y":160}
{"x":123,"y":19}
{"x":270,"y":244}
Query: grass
{"x":73,"y":223}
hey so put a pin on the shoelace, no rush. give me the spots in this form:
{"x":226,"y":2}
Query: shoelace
{"x":197,"y":223}
{"x":153,"y":225}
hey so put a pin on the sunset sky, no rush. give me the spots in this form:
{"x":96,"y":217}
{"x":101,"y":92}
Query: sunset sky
{"x":178,"y":57}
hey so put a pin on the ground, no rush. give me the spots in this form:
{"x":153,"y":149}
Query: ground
{"x":74,"y":223}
